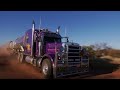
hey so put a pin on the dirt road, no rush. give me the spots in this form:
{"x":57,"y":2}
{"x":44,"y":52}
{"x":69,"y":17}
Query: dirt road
{"x":11,"y":69}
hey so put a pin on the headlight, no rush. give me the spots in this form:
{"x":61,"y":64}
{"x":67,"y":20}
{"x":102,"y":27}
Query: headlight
{"x":58,"y":56}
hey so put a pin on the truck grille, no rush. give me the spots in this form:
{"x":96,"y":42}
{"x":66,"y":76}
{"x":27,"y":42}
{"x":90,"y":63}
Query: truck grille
{"x":73,"y":63}
{"x":73,"y":55}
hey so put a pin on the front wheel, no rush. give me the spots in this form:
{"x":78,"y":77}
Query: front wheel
{"x":47,"y":69}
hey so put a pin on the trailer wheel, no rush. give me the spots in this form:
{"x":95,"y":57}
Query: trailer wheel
{"x":20,"y":57}
{"x":46,"y":69}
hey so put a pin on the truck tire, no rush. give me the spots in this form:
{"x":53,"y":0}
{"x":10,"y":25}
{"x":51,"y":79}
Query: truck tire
{"x":46,"y":69}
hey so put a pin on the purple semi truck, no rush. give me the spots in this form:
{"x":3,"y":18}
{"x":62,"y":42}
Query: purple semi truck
{"x":45,"y":50}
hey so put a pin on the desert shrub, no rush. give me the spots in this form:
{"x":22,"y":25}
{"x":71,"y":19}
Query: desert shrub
{"x":102,"y":49}
{"x":114,"y":53}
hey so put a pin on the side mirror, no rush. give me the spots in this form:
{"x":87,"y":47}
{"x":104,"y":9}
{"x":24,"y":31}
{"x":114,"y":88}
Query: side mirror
{"x":67,"y":40}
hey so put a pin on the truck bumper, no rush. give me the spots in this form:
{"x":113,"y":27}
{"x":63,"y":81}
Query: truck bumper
{"x":70,"y":70}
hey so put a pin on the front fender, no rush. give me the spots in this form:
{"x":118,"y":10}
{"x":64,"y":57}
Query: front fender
{"x":44,"y":57}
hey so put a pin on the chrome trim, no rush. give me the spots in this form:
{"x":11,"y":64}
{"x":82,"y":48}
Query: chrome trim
{"x":33,"y":29}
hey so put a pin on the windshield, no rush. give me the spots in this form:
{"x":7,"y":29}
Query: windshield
{"x":52,"y":39}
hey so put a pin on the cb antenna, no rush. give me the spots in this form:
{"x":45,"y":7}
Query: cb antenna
{"x":40,"y":24}
{"x":66,"y":34}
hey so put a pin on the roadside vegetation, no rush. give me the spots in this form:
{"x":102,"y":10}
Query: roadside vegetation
{"x":103,"y":58}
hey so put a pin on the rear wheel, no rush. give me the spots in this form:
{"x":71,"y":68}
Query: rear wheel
{"x":47,"y":69}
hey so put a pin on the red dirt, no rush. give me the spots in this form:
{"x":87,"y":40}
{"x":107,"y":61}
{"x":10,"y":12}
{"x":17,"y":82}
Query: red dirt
{"x":11,"y":69}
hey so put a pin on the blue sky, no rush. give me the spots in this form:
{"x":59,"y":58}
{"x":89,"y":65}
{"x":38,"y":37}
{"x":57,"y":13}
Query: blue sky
{"x":83,"y":27}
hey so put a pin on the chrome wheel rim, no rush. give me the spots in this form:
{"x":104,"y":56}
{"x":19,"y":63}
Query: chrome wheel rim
{"x":45,"y":69}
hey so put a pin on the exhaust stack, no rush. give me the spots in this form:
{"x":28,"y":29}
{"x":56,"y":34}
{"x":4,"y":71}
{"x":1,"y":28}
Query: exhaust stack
{"x":33,"y":29}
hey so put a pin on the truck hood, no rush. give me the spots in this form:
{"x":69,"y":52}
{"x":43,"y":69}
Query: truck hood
{"x":70,"y":43}
{"x":50,"y":47}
